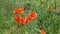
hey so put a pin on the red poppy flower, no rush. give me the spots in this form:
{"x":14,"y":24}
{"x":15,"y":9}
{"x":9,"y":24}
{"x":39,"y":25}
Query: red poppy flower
{"x":16,"y":11}
{"x":21,"y":10}
{"x":42,"y":31}
{"x":16,"y":18}
{"x":28,"y":18}
{"x":22,"y":21}
{"x":33,"y":14}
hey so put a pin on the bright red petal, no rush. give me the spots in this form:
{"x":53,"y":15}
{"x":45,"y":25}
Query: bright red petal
{"x":16,"y":18}
{"x":28,"y":18}
{"x":15,"y":11}
{"x":33,"y":14}
{"x":22,"y":21}
{"x":21,"y":10}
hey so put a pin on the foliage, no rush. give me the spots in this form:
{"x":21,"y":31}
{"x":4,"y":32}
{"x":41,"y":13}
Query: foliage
{"x":47,"y":20}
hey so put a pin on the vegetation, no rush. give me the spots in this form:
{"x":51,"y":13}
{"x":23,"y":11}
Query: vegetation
{"x":48,"y":16}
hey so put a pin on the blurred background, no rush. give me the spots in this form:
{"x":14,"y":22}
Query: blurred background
{"x":48,"y":17}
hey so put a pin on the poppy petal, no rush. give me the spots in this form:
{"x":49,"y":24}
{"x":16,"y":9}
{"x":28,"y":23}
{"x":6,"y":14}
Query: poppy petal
{"x":21,"y":10}
{"x":22,"y":21}
{"x":28,"y":18}
{"x":33,"y":14}
{"x":16,"y":18}
{"x":15,"y":11}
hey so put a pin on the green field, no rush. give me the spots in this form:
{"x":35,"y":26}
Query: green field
{"x":49,"y":21}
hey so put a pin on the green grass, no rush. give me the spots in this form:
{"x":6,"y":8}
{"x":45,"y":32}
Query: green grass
{"x":50,"y":22}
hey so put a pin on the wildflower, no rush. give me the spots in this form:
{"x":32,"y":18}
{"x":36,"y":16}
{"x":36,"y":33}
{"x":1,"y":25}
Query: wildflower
{"x":33,"y":14}
{"x":28,"y":18}
{"x":22,"y":21}
{"x":16,"y":18}
{"x":16,"y":11}
{"x":42,"y":31}
{"x":21,"y":10}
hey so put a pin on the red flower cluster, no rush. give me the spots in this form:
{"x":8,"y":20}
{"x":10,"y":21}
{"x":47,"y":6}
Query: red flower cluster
{"x":19,"y":19}
{"x":27,"y":18}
